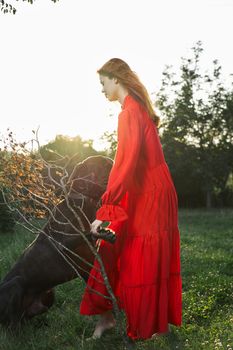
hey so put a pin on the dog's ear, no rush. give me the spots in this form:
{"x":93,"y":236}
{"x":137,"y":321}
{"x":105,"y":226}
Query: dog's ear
{"x":11,"y":295}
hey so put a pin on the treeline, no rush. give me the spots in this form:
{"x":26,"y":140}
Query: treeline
{"x":197,"y":132}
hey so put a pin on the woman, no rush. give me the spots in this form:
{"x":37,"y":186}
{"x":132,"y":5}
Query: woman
{"x":143,"y":266}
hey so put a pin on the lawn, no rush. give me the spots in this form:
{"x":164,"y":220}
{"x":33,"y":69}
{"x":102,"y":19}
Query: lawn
{"x":207,"y":271}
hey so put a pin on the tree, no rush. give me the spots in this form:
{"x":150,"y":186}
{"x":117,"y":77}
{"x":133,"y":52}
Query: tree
{"x":67,"y":152}
{"x":181,"y":159}
{"x":198,"y":113}
{"x":111,"y":139}
{"x":65,"y":146}
{"x":6,"y":7}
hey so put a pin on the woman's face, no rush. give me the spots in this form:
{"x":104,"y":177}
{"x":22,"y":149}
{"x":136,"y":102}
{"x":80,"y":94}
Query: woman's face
{"x":109,"y":87}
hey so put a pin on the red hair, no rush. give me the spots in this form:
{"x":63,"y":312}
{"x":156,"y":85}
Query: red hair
{"x":117,"y":68}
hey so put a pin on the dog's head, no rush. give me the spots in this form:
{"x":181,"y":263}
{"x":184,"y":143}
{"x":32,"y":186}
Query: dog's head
{"x":90,"y":177}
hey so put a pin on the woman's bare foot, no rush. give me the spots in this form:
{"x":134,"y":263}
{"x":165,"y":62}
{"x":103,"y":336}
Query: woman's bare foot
{"x":157,"y":335}
{"x":106,"y":321}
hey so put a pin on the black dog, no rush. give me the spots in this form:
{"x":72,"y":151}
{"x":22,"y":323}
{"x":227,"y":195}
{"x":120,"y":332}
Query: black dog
{"x":27,"y":289}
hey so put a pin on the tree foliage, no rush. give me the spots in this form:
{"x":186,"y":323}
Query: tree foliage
{"x":22,"y":184}
{"x":198,"y":116}
{"x":65,"y":146}
{"x":7,"y":7}
{"x":111,"y":139}
{"x":66,"y":152}
{"x":7,"y":221}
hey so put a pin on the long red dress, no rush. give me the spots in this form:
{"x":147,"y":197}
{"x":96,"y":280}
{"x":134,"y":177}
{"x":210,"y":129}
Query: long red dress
{"x":143,"y":266}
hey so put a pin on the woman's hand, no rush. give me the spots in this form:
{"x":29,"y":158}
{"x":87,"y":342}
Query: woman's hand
{"x":95,"y":225}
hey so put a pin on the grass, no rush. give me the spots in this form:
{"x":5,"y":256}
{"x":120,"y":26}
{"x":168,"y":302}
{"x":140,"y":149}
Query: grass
{"x":207,"y":270}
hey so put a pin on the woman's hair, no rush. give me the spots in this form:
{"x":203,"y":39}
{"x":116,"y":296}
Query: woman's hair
{"x":117,"y":68}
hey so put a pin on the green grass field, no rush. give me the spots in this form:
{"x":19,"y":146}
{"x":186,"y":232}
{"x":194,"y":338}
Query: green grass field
{"x":207,"y":270}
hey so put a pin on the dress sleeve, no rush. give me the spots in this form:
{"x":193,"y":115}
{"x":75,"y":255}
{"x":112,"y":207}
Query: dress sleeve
{"x":129,"y":136}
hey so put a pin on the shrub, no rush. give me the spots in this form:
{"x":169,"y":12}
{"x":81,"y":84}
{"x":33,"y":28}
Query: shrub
{"x":7,"y":221}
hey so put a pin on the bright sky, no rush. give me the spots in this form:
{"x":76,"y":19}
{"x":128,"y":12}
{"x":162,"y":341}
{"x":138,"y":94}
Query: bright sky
{"x":50,"y":54}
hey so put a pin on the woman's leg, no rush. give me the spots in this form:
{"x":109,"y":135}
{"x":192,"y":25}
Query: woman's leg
{"x":93,"y":303}
{"x":106,"y":321}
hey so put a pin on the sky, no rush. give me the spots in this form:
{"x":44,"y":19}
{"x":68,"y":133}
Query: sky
{"x":50,"y":54}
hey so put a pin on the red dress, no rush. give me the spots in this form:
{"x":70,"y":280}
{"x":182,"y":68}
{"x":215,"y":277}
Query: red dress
{"x":143,"y":266}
